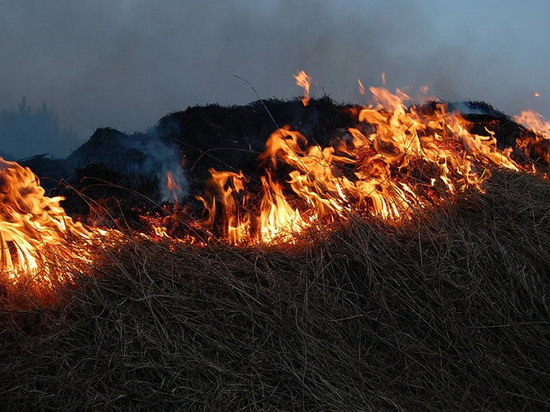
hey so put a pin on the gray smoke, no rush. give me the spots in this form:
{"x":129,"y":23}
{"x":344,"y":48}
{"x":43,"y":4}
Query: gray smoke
{"x":160,"y":159}
{"x":126,"y":63}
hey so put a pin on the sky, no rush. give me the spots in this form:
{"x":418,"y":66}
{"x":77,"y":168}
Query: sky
{"x":126,"y":63}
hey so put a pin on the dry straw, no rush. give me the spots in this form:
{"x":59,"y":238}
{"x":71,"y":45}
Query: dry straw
{"x":449,"y":311}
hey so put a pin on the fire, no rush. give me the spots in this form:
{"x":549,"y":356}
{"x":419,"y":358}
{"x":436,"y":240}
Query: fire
{"x":535,"y":122}
{"x":398,"y":160}
{"x":172,"y":185}
{"x":278,"y":220}
{"x":361,"y":87}
{"x":304,"y":80}
{"x":235,"y":220}
{"x":39,"y":241}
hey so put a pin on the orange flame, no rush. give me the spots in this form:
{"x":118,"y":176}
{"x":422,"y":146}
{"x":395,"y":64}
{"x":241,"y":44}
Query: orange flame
{"x":39,"y":242}
{"x":278,"y":220}
{"x":304,"y":80}
{"x":223,"y":186}
{"x":398,"y":160}
{"x":535,"y":122}
{"x":361,"y":87}
{"x":172,"y":185}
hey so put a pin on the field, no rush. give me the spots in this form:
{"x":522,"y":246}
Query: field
{"x":448,"y":311}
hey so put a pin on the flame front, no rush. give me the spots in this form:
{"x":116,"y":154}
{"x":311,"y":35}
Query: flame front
{"x":38,"y":240}
{"x":397,"y":161}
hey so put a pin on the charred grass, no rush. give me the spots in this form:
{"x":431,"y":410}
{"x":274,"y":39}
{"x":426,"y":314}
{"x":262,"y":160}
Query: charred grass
{"x":450,"y":311}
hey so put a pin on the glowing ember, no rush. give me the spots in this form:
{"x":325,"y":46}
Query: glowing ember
{"x":304,"y":80}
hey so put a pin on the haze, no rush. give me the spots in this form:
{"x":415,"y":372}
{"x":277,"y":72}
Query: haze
{"x":126,"y":63}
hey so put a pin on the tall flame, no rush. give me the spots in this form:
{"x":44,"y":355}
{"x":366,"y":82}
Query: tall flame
{"x":535,"y":122}
{"x":304,"y":80}
{"x":396,"y":161}
{"x":172,"y":185}
{"x":39,"y":242}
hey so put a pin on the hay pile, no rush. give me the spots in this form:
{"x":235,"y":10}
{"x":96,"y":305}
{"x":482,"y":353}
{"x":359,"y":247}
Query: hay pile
{"x":448,"y":312}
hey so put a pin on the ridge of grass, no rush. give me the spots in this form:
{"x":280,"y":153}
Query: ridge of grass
{"x":450,"y":311}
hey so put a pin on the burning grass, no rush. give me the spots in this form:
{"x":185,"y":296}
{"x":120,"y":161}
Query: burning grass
{"x":446,"y":311}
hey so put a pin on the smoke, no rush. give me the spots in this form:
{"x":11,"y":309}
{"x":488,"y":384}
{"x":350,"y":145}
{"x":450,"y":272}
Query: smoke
{"x":125,"y":64}
{"x":160,"y":159}
{"x":144,"y":154}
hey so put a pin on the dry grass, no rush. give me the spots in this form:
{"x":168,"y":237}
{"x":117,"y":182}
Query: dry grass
{"x":448,"y":312}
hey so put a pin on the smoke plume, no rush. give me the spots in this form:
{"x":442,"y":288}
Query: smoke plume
{"x":125,"y":64}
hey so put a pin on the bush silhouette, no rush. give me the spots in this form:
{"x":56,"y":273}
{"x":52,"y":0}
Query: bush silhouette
{"x":25,"y":132}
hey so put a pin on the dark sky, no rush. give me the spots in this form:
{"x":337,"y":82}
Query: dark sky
{"x":126,"y":63}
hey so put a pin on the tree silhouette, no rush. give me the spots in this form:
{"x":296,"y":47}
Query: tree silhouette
{"x":24,"y":132}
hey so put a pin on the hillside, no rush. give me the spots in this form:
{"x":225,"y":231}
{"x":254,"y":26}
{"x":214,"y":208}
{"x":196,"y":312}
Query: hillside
{"x":377,"y":258}
{"x":447,"y":312}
